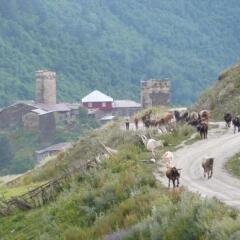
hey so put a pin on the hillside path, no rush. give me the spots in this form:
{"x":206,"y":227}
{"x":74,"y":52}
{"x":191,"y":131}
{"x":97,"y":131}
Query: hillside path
{"x":221,"y":144}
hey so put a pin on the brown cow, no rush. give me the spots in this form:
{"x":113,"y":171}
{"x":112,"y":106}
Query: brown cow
{"x":173,"y":174}
{"x":207,"y":165}
{"x":203,"y":129}
{"x":205,"y":115}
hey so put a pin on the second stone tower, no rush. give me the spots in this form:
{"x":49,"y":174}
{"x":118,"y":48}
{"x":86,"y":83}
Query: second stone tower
{"x":46,"y":87}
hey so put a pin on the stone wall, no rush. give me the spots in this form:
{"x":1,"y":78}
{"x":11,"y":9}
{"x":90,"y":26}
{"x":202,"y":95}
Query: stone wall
{"x":155,"y":93}
{"x":47,"y":127}
{"x":46,"y":87}
{"x":31,"y":121}
{"x":12,"y":116}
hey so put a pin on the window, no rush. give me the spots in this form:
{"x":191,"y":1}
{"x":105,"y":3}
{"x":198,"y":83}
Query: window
{"x":90,"y":104}
{"x":104,"y":104}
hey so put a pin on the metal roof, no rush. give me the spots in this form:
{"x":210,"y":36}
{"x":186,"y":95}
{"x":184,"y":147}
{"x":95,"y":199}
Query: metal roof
{"x":107,"y":118}
{"x":59,"y":107}
{"x":97,"y":96}
{"x":39,"y":111}
{"x":56,"y":147}
{"x":125,"y":104}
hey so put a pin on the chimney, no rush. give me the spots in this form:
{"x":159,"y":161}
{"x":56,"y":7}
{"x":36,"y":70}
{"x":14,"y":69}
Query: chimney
{"x":46,"y":87}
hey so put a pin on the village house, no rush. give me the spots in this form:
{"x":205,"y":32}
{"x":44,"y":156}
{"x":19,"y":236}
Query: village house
{"x":52,"y":150}
{"x":98,"y":100}
{"x":124,"y":108}
{"x":106,"y":109}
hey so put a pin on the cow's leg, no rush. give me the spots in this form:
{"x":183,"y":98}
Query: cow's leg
{"x":234,"y":131}
{"x":204,"y":173}
{"x":211,"y":173}
{"x":153,"y":153}
{"x":173,"y":183}
{"x":169,"y":182}
{"x":177,"y":182}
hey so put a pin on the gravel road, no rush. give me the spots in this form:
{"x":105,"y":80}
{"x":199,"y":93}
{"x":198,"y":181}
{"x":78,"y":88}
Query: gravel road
{"x":221,"y":144}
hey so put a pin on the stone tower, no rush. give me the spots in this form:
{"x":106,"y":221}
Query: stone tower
{"x":155,"y":93}
{"x":46,"y":87}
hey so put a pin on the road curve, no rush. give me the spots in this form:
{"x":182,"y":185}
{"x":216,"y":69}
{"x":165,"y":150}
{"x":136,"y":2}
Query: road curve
{"x":221,"y":144}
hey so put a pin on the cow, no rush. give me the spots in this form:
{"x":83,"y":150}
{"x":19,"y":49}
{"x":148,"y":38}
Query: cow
{"x":236,"y":124}
{"x":207,"y":165}
{"x":151,"y":144}
{"x":173,"y":174}
{"x":177,"y":115}
{"x":228,"y":119}
{"x":204,"y":115}
{"x":202,"y":127}
{"x":146,"y":119}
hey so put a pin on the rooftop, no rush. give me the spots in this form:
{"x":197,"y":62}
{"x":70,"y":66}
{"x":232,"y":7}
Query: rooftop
{"x":125,"y":104}
{"x":107,"y":118}
{"x":56,"y":147}
{"x":97,"y":96}
{"x":41,"y":108}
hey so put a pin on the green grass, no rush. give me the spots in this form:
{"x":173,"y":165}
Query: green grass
{"x":233,"y":165}
{"x":120,"y":193}
{"x":8,"y":192}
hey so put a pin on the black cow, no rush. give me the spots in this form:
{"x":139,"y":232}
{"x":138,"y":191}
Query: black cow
{"x":174,"y":175}
{"x":203,"y":129}
{"x":228,"y":119}
{"x":236,"y":124}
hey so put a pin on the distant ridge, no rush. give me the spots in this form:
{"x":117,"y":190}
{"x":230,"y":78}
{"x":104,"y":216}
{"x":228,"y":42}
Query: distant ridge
{"x":113,"y":45}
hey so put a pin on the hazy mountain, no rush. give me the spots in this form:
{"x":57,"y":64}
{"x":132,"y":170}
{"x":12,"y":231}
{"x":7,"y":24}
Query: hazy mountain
{"x":111,"y":45}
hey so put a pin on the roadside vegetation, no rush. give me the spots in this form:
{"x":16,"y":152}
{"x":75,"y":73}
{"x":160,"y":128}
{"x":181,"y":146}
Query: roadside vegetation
{"x":119,"y":194}
{"x":233,"y":165}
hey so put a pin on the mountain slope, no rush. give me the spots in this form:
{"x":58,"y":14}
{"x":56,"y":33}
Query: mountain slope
{"x":224,"y":95}
{"x":112,"y":45}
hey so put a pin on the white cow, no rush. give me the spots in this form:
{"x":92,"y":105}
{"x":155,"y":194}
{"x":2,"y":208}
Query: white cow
{"x":151,"y":144}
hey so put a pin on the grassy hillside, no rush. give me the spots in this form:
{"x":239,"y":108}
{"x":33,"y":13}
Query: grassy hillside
{"x":119,"y":194}
{"x":224,"y":95}
{"x":112,"y":45}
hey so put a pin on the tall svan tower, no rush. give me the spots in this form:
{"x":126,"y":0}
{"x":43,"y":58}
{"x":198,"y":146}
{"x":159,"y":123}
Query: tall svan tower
{"x":46,"y":87}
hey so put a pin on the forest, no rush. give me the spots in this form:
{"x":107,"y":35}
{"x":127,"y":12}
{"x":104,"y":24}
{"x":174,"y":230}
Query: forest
{"x":113,"y":45}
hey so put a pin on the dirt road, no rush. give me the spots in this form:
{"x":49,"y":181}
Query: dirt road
{"x":221,"y":144}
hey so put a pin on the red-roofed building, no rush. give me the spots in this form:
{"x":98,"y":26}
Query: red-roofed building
{"x":98,"y":100}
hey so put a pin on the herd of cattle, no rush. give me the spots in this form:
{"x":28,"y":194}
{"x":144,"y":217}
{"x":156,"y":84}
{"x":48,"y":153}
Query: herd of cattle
{"x":199,"y":120}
